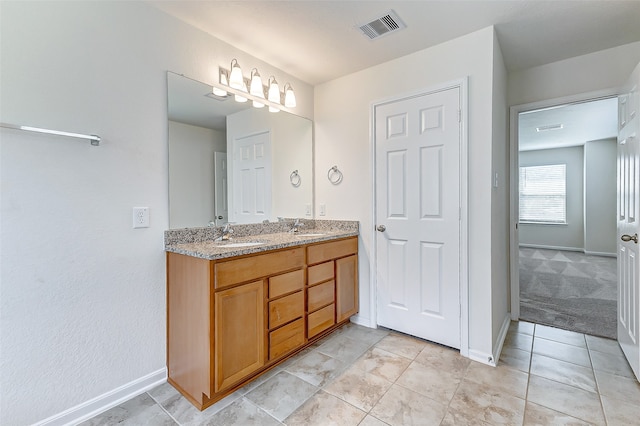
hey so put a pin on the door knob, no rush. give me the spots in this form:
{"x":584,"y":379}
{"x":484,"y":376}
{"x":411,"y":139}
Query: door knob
{"x":220,"y":217}
{"x":627,"y":238}
{"x":381,"y":228}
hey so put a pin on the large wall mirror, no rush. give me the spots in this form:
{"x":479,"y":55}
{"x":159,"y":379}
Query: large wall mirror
{"x":231,"y":162}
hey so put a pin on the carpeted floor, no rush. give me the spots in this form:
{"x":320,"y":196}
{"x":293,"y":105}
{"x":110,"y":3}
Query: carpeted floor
{"x":569,"y":290}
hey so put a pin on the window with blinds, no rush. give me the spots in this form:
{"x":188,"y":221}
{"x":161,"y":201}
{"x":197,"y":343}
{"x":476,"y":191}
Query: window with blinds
{"x":543,"y":194}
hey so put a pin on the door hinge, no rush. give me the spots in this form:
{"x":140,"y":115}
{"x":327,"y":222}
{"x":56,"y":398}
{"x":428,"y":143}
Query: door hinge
{"x":459,"y":116}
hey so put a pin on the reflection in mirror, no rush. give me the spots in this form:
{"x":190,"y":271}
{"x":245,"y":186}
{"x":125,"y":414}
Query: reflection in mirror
{"x":230,"y":162}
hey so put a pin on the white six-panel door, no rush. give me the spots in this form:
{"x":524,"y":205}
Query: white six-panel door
{"x":417,"y":143}
{"x":221,"y":197}
{"x":628,"y":223}
{"x":252,"y":178}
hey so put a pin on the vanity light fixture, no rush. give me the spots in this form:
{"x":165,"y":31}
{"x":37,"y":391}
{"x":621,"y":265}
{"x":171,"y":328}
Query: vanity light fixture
{"x":224,"y":81}
{"x":273,"y":94}
{"x":289,"y":96}
{"x":256,"y":88}
{"x":236,"y":80}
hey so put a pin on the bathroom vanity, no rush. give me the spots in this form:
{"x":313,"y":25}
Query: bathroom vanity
{"x":236,"y":309}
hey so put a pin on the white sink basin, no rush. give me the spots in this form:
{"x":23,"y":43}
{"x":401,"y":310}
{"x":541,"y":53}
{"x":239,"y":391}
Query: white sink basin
{"x":238,"y":245}
{"x":310,"y":235}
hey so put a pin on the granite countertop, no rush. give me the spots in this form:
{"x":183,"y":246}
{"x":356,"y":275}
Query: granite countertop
{"x":206,"y":248}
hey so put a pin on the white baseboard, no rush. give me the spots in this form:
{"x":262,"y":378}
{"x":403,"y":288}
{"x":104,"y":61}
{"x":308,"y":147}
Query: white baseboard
{"x":365,"y":322}
{"x":483,"y":357}
{"x":600,"y":253}
{"x":102,"y":403}
{"x":546,"y":247}
{"x":497,"y":349}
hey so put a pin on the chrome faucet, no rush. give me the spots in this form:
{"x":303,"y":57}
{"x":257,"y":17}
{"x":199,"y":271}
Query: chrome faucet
{"x":296,"y":225}
{"x":226,"y":233}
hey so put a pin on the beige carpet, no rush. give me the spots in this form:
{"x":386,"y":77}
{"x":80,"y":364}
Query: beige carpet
{"x":569,"y":290}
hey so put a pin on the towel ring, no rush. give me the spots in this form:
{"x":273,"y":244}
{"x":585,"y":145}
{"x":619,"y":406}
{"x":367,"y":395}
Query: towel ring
{"x":334,"y":175}
{"x":295,"y":178}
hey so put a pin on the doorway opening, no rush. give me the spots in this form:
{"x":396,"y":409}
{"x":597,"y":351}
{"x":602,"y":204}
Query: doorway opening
{"x":564,"y":209}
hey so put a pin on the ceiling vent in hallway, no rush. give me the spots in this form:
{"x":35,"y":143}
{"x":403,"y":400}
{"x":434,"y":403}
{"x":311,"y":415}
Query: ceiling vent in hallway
{"x":386,"y":24}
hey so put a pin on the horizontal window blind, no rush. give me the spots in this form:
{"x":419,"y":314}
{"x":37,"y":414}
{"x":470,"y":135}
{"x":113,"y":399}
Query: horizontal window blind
{"x":543,"y":194}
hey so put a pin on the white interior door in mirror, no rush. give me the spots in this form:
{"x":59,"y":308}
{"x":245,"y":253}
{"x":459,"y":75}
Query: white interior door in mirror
{"x":252,"y":176}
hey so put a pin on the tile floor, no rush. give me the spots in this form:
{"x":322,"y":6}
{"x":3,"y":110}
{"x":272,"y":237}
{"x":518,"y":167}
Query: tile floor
{"x":366,"y":377}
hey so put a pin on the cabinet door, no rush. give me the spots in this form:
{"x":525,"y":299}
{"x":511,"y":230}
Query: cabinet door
{"x":239,"y":333}
{"x":346,"y":287}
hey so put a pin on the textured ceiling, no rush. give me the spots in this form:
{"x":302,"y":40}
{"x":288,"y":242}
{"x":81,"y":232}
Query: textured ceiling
{"x":317,"y":41}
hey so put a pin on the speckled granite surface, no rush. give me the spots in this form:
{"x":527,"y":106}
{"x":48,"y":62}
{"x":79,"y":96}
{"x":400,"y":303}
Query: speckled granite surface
{"x":199,"y":242}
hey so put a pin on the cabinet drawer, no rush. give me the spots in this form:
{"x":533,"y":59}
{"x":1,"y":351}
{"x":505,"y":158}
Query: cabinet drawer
{"x":286,"y":283}
{"x":251,"y":268}
{"x":320,"y":320}
{"x":286,"y":338}
{"x":327,"y":251}
{"x":285,"y":309}
{"x":320,"y":295}
{"x":320,"y":273}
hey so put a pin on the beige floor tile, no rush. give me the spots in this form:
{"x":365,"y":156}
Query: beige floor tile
{"x":325,"y":409}
{"x":575,"y":402}
{"x":241,"y":412}
{"x":614,"y":364}
{"x":618,"y":387}
{"x":486,"y":403}
{"x":453,"y":418}
{"x":383,"y":364}
{"x":537,"y":415}
{"x":432,"y":382}
{"x":621,"y":413}
{"x":400,"y":344}
{"x":507,"y":379}
{"x":370,"y":336}
{"x":359,"y":388}
{"x":372,"y":421}
{"x":562,"y":336}
{"x":317,"y":368}
{"x":343,"y":348}
{"x":563,"y":372}
{"x":444,"y":358}
{"x":520,"y":341}
{"x":515,"y":358}
{"x":281,"y":395}
{"x":140,"y":410}
{"x":562,"y":351}
{"x":400,"y":406}
{"x":601,"y":344}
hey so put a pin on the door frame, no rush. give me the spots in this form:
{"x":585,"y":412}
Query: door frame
{"x":462,"y":84}
{"x":514,"y":111}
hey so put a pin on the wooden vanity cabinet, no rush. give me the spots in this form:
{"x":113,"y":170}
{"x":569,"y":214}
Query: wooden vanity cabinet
{"x":229,"y":320}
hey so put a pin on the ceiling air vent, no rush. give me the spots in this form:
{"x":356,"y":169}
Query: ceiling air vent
{"x":386,"y":24}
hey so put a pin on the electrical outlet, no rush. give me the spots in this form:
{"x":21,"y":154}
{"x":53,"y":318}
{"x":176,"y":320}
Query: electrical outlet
{"x":141,"y":217}
{"x":308,"y":209}
{"x":323,"y":209}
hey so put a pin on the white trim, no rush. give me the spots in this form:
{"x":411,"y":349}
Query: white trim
{"x":513,"y":157}
{"x":102,"y":403}
{"x":463,"y":85}
{"x":600,"y":253}
{"x":547,"y":247}
{"x":482,"y":357}
{"x":497,"y":349}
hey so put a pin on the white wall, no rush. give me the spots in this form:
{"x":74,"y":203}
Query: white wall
{"x":571,"y":235}
{"x":500,"y":295}
{"x":192,"y":182}
{"x":600,"y":196}
{"x":342,"y":130}
{"x":82,"y":293}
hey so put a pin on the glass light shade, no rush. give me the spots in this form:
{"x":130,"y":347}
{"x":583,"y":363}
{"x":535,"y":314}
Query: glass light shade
{"x":289,"y":96}
{"x":219,"y":92}
{"x":256,"y":85}
{"x":274,"y":91}
{"x":239,"y":98}
{"x":235,"y":78}
{"x":257,"y":104}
